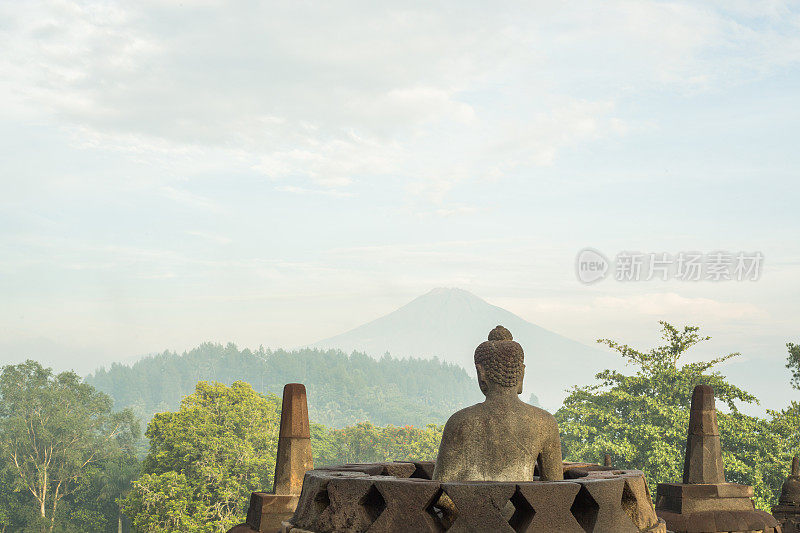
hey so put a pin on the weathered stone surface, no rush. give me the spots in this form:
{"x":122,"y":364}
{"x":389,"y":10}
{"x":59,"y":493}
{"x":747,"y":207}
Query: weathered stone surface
{"x":390,"y":468}
{"x":354,"y":504}
{"x":372,"y":469}
{"x":294,"y":442}
{"x":680,"y":498}
{"x":549,"y":508}
{"x":423,"y":469}
{"x":502,"y":438}
{"x":597,"y":506}
{"x":267,"y":511}
{"x":613,"y":501}
{"x":704,"y":502}
{"x":242,"y":528}
{"x":787,"y":512}
{"x":480,"y":506}
{"x":721,"y":521}
{"x":703,"y":462}
{"x":408,"y":506}
{"x":314,"y":499}
{"x":637,"y":503}
{"x":399,"y":469}
{"x":790,"y":492}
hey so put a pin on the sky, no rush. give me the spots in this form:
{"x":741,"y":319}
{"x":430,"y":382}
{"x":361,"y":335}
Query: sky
{"x":277,"y":173}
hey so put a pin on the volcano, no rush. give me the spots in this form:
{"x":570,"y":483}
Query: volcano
{"x":449,"y":323}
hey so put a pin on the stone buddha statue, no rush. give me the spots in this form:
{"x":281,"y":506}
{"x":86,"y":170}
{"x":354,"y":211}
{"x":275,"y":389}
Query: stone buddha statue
{"x":502,"y":438}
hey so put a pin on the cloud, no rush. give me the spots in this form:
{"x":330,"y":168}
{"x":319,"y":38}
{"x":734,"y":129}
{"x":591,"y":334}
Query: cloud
{"x":191,"y":199}
{"x":213,"y":237}
{"x":673,"y":304}
{"x":301,"y":190}
{"x":339,"y":95}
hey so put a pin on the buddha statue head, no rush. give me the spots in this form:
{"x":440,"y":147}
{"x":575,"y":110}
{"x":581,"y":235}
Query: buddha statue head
{"x":499,"y":362}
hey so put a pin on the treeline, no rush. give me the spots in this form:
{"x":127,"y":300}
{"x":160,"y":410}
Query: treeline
{"x":68,"y":463}
{"x":342,"y":389}
{"x":641,"y":419}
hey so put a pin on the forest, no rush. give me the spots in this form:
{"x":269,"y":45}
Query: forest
{"x":73,"y":458}
{"x":343,"y":389}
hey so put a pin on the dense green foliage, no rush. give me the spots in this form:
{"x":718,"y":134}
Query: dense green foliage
{"x":205,"y":460}
{"x":365,"y":442}
{"x":793,"y":363}
{"x":64,"y":455}
{"x":641,"y":419}
{"x":218,"y":442}
{"x":342,"y":389}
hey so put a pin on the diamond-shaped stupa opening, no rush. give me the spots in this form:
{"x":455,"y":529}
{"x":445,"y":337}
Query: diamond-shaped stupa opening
{"x":373,"y":503}
{"x":444,"y":518}
{"x":585,"y":509}
{"x":523,"y":513}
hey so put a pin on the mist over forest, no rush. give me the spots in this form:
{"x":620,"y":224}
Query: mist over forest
{"x":212,"y":416}
{"x":352,"y":196}
{"x":342,"y":389}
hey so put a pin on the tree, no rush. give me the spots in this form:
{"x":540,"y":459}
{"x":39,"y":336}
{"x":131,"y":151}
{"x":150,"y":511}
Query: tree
{"x":343,"y":388}
{"x":366,"y":443}
{"x":205,"y":460}
{"x":94,"y":505}
{"x":793,"y":363}
{"x":641,"y":420}
{"x":54,"y":430}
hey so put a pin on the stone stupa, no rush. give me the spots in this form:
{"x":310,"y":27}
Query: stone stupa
{"x":268,"y":510}
{"x":499,"y":470}
{"x":705,"y":502}
{"x":787,"y":512}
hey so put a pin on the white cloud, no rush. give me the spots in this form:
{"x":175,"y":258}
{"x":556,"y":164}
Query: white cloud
{"x":673,"y":304}
{"x":213,"y":237}
{"x":191,"y":199}
{"x":410,"y":92}
{"x":442,"y":126}
{"x":301,"y":190}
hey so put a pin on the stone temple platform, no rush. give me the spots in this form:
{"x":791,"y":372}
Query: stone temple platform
{"x":400,"y":496}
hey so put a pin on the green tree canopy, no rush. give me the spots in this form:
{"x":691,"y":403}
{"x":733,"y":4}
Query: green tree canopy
{"x":55,"y":432}
{"x":367,"y":443}
{"x":793,"y":363}
{"x":343,"y":389}
{"x":641,"y":419}
{"x":205,"y":460}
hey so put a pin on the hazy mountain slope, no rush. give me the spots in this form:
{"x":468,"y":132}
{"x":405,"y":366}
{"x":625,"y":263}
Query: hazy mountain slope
{"x":450,"y":323}
{"x":342,"y":389}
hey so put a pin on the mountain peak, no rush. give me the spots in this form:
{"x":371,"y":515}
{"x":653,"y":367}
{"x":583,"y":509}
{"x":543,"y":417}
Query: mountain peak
{"x":450,"y":292}
{"x":448,"y":323}
{"x":447,"y":290}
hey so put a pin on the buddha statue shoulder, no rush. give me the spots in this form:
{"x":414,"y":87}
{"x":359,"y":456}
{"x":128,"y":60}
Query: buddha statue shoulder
{"x":501,"y":438}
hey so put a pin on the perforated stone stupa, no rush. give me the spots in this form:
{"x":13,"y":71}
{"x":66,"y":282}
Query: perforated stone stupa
{"x":705,"y":502}
{"x":499,"y":469}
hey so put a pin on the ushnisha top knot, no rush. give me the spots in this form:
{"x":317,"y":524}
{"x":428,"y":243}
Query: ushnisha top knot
{"x":500,"y":334}
{"x":501,"y":358}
